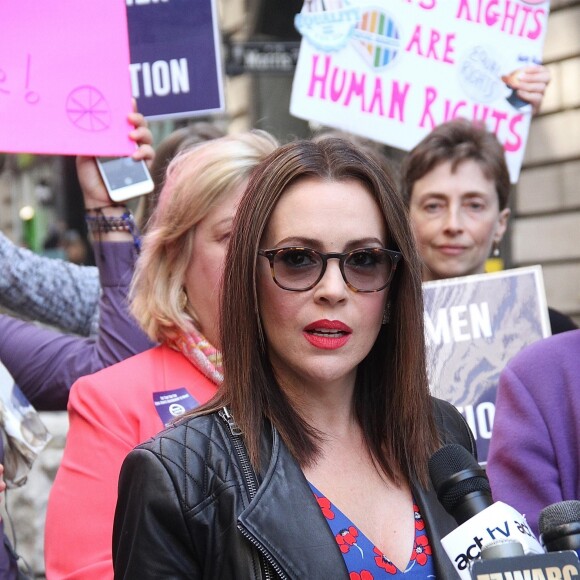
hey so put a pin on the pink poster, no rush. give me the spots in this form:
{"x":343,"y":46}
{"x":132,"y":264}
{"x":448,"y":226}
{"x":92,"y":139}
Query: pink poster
{"x":392,"y":70}
{"x":64,"y":77}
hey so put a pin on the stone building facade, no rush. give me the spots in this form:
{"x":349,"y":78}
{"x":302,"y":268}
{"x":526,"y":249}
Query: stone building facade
{"x":546,"y":211}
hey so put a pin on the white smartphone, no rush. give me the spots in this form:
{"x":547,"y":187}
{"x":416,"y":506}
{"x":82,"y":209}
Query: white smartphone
{"x":124,"y":177}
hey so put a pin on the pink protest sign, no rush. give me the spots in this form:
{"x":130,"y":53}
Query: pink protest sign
{"x":64,"y":77}
{"x":392,"y":70}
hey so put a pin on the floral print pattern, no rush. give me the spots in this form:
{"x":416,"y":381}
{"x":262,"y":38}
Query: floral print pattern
{"x":346,"y":538}
{"x":421,"y":550}
{"x":363,"y":560}
{"x":325,"y":507}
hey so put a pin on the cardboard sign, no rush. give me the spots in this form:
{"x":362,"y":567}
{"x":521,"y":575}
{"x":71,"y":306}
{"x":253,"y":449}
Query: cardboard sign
{"x":175,"y":59}
{"x":64,"y":82}
{"x":393,"y":70}
{"x":23,"y":433}
{"x":474,"y":325}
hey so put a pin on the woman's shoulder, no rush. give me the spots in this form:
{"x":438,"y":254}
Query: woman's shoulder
{"x":198,"y":446}
{"x":556,"y":349}
{"x":197,"y":424}
{"x":202,"y":435}
{"x":452,"y":426}
{"x":155,"y":364}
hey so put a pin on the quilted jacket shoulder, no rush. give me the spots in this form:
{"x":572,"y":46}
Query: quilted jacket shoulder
{"x":198,"y":456}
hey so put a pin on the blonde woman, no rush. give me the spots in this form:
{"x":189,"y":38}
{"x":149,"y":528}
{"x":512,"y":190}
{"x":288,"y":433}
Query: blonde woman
{"x":175,"y":296}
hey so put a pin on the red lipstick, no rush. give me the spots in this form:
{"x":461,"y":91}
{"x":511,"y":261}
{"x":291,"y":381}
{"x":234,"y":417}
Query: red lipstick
{"x":327,"y":334}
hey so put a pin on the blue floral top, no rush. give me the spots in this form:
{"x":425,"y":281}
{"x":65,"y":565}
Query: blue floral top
{"x":363,"y":560}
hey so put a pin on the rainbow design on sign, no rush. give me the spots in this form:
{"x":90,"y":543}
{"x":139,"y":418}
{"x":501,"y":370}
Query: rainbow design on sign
{"x":376,"y":38}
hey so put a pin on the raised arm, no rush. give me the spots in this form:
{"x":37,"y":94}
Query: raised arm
{"x":50,"y":291}
{"x":45,"y":363}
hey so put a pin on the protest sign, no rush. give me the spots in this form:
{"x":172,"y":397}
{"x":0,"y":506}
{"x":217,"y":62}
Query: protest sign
{"x":474,"y":325}
{"x":64,"y":81}
{"x":175,"y":59}
{"x":392,"y":71}
{"x":23,"y":434}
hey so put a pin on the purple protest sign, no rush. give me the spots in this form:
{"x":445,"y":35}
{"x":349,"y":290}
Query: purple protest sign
{"x":175,"y":60}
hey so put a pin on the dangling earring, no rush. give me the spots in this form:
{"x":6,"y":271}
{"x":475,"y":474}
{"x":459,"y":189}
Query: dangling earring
{"x":495,"y":251}
{"x":182,"y":299}
{"x":387,"y":313}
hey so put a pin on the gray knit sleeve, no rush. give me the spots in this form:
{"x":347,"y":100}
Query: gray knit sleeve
{"x":48,"y":290}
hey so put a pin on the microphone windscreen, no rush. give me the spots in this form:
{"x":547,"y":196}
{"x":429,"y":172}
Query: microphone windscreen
{"x":563,"y":512}
{"x":455,"y":473}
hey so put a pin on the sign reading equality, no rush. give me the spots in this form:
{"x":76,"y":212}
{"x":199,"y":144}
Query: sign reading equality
{"x":393,"y":70}
{"x":175,"y":59}
{"x":474,"y":325}
{"x":64,"y":87}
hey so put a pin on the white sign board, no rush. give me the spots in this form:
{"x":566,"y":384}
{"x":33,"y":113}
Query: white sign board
{"x":474,"y":325}
{"x":23,"y":434}
{"x":392,"y":71}
{"x":497,"y":522}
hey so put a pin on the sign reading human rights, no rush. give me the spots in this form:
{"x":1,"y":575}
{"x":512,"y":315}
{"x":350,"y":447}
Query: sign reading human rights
{"x":393,"y":70}
{"x":175,"y":59}
{"x":474,"y":325}
{"x":64,"y":85}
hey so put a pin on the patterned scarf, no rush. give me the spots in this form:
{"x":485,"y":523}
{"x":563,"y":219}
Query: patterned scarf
{"x":201,"y":354}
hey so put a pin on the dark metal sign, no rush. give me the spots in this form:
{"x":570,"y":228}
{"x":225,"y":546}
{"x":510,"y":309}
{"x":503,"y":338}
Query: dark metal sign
{"x":261,"y":57}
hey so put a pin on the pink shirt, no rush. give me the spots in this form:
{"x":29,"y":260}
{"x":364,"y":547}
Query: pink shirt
{"x":110,"y":412}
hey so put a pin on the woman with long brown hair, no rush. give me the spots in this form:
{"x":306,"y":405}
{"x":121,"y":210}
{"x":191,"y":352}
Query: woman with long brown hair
{"x":311,"y":461}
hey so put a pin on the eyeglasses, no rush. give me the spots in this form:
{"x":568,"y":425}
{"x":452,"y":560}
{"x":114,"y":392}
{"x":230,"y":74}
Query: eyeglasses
{"x":300,"y":269}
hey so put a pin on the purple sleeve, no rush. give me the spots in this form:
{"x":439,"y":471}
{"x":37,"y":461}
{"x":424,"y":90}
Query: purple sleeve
{"x":45,"y":363}
{"x":522,"y":466}
{"x":119,"y":335}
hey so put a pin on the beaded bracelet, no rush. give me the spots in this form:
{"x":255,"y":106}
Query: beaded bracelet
{"x":102,"y":224}
{"x":99,"y":210}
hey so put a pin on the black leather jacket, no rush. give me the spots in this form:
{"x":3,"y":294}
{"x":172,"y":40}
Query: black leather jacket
{"x":184,"y":508}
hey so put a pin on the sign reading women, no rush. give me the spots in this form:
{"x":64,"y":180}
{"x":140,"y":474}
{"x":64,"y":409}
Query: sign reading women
{"x":474,"y":325}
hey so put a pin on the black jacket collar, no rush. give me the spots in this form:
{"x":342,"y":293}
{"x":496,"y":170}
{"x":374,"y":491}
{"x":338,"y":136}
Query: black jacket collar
{"x":284,"y":502}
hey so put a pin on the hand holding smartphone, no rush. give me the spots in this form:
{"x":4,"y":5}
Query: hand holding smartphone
{"x":124,"y":177}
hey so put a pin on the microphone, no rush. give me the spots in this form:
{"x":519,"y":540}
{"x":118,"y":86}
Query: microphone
{"x":502,"y":549}
{"x":460,"y":482}
{"x":559,"y":526}
{"x":464,"y":491}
